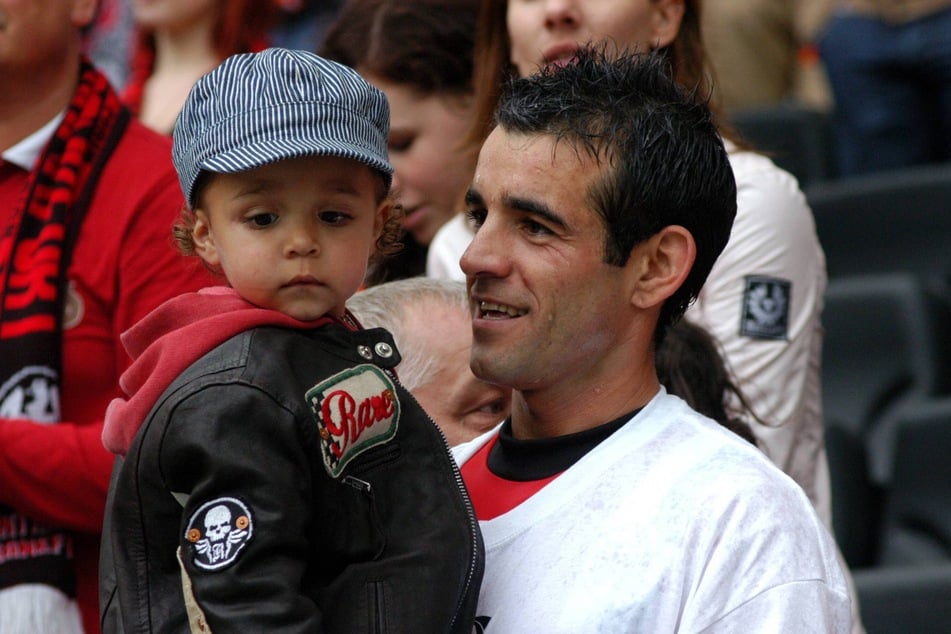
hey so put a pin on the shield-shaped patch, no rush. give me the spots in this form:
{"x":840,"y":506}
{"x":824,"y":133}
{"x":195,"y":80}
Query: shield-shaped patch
{"x":356,"y":409}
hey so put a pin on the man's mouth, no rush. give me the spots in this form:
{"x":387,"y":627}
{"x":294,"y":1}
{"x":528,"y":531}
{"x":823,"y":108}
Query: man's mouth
{"x":491,"y":310}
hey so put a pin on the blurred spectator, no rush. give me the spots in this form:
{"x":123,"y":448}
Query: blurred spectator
{"x":303,"y":24}
{"x":109,"y":40}
{"x":418,"y":52}
{"x":690,"y":365}
{"x":889,"y":66}
{"x":431,"y":324}
{"x":89,"y":197}
{"x":178,"y":41}
{"x":762,"y":54}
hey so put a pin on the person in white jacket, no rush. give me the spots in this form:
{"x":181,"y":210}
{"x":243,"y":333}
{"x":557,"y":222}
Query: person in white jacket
{"x":601,"y":201}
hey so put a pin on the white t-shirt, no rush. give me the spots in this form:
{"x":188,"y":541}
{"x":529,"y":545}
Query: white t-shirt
{"x":762,"y":302}
{"x":672,"y":524}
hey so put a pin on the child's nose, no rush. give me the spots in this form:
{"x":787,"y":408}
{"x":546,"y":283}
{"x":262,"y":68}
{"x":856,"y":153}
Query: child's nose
{"x":301,"y":244}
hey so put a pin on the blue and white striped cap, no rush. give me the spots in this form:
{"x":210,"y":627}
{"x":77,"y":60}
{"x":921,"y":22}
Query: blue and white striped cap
{"x":258,"y":108}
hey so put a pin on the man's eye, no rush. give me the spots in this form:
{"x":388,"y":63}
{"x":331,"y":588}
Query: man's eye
{"x":497,"y":406}
{"x":475,"y":217}
{"x":536,"y":228}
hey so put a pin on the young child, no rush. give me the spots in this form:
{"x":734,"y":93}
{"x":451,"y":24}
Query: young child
{"x":276,"y":476}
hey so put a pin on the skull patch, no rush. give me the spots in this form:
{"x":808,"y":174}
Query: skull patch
{"x":218,"y":531}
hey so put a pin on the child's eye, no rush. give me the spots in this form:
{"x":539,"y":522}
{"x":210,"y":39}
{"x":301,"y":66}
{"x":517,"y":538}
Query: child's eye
{"x":334,"y":217}
{"x":262,"y":219}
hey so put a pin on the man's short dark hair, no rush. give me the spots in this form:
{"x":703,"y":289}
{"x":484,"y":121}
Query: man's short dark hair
{"x":667,"y":163}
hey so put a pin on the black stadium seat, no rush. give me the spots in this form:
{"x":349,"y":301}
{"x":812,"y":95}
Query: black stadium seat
{"x":887,"y":341}
{"x":889,"y":221}
{"x":916,"y":527}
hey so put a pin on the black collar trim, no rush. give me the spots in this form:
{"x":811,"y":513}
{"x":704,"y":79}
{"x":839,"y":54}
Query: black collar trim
{"x":537,"y":459}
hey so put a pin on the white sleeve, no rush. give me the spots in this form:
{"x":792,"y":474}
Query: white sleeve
{"x":803,"y":606}
{"x":447,"y":246}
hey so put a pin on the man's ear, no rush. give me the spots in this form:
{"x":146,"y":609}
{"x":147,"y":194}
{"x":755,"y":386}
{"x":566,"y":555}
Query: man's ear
{"x":84,"y":12}
{"x":666,"y":19}
{"x":205,"y":241}
{"x":661,"y":264}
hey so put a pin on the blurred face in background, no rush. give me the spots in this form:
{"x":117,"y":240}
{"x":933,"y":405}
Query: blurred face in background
{"x":545,"y":32}
{"x":432,"y":171}
{"x":462,"y":405}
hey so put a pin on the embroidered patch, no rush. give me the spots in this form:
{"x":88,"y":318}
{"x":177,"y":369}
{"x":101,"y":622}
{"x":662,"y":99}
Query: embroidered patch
{"x":218,"y":531}
{"x":766,"y":307}
{"x":355,"y":410}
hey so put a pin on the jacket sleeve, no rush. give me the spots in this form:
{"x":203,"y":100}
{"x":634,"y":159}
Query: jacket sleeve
{"x":235,"y":459}
{"x":58,"y":474}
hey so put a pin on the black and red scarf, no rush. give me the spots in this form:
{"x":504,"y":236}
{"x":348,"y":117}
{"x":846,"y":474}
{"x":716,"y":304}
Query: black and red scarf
{"x":36,"y":242}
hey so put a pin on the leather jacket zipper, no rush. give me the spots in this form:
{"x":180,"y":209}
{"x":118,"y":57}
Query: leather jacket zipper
{"x":474,"y":530}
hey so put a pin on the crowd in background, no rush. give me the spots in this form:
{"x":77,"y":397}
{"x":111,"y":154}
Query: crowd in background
{"x":879,"y":70}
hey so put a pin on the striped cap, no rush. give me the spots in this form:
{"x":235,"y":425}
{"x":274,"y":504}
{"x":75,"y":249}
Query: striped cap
{"x":258,"y":108}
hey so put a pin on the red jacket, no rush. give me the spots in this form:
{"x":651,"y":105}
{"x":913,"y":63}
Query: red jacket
{"x":124,"y":264}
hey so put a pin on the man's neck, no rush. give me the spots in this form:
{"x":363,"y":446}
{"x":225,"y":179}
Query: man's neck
{"x":29,"y":103}
{"x":557,"y":411}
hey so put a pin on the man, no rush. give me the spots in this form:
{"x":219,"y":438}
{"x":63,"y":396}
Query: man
{"x":87,"y":200}
{"x":429,"y":320}
{"x":602,"y":199}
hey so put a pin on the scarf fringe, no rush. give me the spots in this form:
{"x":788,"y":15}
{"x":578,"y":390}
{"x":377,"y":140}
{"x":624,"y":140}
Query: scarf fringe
{"x":30,"y":608}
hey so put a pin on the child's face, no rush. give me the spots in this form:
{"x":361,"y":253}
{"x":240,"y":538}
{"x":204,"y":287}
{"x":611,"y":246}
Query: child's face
{"x":293,"y":236}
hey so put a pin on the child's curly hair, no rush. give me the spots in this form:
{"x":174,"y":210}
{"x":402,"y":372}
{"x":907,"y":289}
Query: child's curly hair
{"x":389,"y":241}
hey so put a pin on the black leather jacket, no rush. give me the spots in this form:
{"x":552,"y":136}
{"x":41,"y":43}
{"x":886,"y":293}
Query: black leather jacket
{"x":266,"y":511}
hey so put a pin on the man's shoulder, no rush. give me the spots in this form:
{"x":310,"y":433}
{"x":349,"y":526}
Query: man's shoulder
{"x":143,"y":154}
{"x":693,"y":445}
{"x":139,"y":177}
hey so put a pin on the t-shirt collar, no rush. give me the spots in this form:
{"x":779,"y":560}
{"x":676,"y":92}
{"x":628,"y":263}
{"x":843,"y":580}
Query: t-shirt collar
{"x":26,"y":153}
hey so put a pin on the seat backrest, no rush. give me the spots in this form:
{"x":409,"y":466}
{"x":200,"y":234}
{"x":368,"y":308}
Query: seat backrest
{"x":916,"y":521}
{"x":890,"y":221}
{"x":798,"y":138}
{"x":886,"y":340}
{"x":909,"y":600}
{"x":856,"y":509}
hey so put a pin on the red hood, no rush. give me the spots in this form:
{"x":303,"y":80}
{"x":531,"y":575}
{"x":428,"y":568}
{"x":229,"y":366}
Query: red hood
{"x":171,"y":338}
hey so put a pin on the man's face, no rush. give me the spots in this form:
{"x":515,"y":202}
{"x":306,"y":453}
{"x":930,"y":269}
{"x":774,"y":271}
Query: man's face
{"x":548,"y":312}
{"x":34,"y":33}
{"x":462,"y":405}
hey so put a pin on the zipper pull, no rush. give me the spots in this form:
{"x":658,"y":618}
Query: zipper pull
{"x":358,"y":484}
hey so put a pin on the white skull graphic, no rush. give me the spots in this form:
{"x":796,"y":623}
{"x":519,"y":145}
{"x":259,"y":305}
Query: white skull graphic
{"x":218,"y":523}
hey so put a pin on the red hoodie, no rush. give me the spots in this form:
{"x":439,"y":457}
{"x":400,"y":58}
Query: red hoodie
{"x":171,"y":338}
